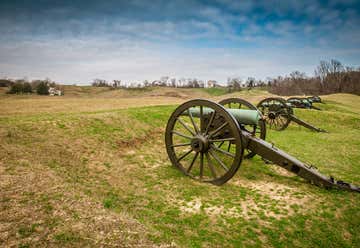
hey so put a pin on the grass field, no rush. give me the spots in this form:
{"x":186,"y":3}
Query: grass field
{"x":90,"y":169}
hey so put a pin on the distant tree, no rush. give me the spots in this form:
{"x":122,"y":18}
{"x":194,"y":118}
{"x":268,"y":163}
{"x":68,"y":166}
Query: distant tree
{"x":5,"y":83}
{"x":27,"y":87}
{"x":297,"y":75}
{"x":201,"y":84}
{"x":146,"y":83}
{"x":193,"y":83}
{"x":163,"y":80}
{"x":330,"y":77}
{"x":16,"y":88}
{"x":116,"y":83}
{"x":42,"y":88}
{"x":234,"y":84}
{"x":250,"y":83}
{"x":100,"y":83}
{"x":173,"y":82}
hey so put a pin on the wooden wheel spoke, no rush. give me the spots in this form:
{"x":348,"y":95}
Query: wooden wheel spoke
{"x":211,"y":167}
{"x":201,"y":119}
{"x":193,"y":122}
{"x":210,"y":122}
{"x":184,"y":155}
{"x":218,"y":129}
{"x":181,"y":134}
{"x":185,"y":126}
{"x":201,"y":164}
{"x":218,"y":160}
{"x":182,"y":144}
{"x":222,"y":142}
{"x":192,"y":162}
{"x":254,"y":132}
{"x":282,"y":120}
{"x":222,"y":151}
{"x":276,"y":121}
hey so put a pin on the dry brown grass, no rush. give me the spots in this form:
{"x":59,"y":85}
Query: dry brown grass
{"x":48,"y":104}
{"x":90,"y":99}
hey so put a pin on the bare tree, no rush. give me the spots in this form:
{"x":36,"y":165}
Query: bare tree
{"x":116,"y":83}
{"x":234,"y":84}
{"x":99,"y":83}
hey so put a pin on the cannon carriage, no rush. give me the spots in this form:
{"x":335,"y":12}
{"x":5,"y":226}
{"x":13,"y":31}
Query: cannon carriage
{"x":316,"y":99}
{"x":305,"y":103}
{"x":278,"y":114}
{"x":208,"y":142}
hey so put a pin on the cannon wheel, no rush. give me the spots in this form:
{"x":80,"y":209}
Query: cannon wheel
{"x":277,"y":114}
{"x":258,"y":131}
{"x":193,"y":147}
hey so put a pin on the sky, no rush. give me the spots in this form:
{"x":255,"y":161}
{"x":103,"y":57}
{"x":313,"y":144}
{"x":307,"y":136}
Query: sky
{"x":74,"y":42}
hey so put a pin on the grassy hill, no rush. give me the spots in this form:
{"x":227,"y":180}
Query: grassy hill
{"x":93,"y":171}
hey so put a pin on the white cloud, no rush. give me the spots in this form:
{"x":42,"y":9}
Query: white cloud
{"x":79,"y":49}
{"x":80,"y":61}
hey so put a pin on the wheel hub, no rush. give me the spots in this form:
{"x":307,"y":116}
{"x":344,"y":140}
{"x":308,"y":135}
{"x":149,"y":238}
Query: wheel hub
{"x":200,"y":143}
{"x":272,"y":115}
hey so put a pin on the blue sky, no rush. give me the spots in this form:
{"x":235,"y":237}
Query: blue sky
{"x":77,"y":41}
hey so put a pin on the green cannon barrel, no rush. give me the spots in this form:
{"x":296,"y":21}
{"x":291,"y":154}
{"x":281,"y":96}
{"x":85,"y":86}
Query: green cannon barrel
{"x":267,"y":104}
{"x":243,"y":116}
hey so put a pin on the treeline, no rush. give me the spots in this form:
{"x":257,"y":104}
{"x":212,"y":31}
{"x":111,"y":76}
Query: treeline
{"x":162,"y":82}
{"x":232,"y":84}
{"x":330,"y":77}
{"x":23,"y":86}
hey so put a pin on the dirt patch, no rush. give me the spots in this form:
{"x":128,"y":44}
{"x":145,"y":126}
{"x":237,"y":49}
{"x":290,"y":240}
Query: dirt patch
{"x":276,"y":191}
{"x":193,"y":206}
{"x":139,"y":141}
{"x":174,"y":94}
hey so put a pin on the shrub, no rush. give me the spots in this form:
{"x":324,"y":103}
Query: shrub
{"x":27,"y":88}
{"x":42,"y":88}
{"x":16,"y":88}
{"x":5,"y":83}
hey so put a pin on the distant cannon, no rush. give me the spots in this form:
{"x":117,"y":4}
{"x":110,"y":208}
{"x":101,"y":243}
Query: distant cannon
{"x":314,"y":99}
{"x":278,"y":114}
{"x":198,"y":130}
{"x":299,"y":102}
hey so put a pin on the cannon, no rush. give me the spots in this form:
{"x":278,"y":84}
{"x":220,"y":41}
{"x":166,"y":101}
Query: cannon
{"x":258,"y":129}
{"x":198,"y":130}
{"x":278,"y":114}
{"x":305,"y":103}
{"x":314,"y":99}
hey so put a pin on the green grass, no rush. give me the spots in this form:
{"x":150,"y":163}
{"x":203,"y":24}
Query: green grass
{"x":217,"y":91}
{"x":103,"y":166}
{"x":66,"y":237}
